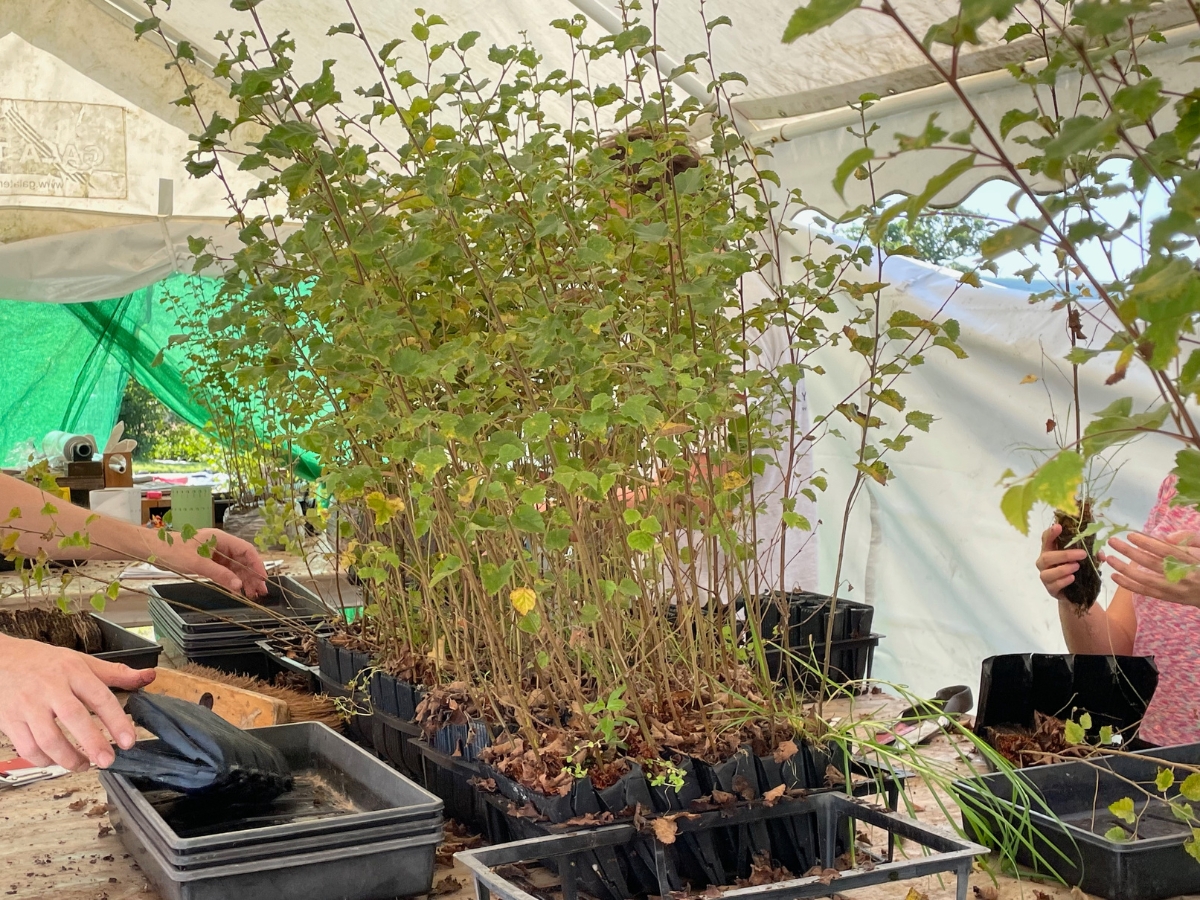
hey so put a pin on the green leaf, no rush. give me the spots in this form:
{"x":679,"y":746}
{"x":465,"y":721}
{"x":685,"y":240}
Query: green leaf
{"x":1012,"y":238}
{"x":1055,"y":483}
{"x":1123,"y":809}
{"x":1192,"y":845}
{"x":849,"y":164}
{"x":530,"y":623}
{"x":1017,"y":31}
{"x":919,"y":420}
{"x":150,"y":24}
{"x":445,"y":569}
{"x":1106,"y":735}
{"x":113,"y":590}
{"x":467,"y":41}
{"x":1074,"y":733}
{"x":642,"y":541}
{"x":1115,"y":425}
{"x":652,"y":232}
{"x":1190,"y":788}
{"x":1085,"y":721}
{"x":527,"y":518}
{"x":187,"y":532}
{"x":1187,"y":471}
{"x":557,"y":539}
{"x":1183,"y":812}
{"x":494,"y":577}
{"x":1175,"y":570}
{"x":1164,"y":780}
{"x":98,"y":601}
{"x":1116,"y":834}
{"x":816,"y":15}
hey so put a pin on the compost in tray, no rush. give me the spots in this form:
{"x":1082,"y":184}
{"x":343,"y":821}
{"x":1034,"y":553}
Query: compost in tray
{"x":314,"y":796}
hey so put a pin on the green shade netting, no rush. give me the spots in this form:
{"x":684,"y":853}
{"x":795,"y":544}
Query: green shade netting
{"x":66,"y":364}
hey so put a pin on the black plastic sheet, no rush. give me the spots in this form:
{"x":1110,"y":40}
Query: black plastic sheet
{"x":198,"y":752}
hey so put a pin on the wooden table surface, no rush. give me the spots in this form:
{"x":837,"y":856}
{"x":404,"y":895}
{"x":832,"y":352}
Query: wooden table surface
{"x":56,"y":840}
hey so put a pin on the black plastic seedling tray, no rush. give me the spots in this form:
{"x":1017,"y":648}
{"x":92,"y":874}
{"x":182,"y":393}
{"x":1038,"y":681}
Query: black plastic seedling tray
{"x":285,"y":663}
{"x":835,"y":814}
{"x":381,"y":847}
{"x":1113,"y":690}
{"x":121,"y":800}
{"x":193,"y":608}
{"x":123,"y":646}
{"x":1067,"y":806}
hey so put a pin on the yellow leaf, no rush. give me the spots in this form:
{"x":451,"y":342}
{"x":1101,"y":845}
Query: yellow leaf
{"x":914,"y":894}
{"x":523,"y":600}
{"x":671,"y":429}
{"x":467,"y":492}
{"x":733,"y":480}
{"x":10,"y":541}
{"x":1029,"y":379}
{"x":348,"y":558}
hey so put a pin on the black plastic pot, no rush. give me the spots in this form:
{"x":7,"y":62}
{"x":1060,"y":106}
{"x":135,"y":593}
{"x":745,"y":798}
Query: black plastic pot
{"x":569,"y":853}
{"x":713,"y":856}
{"x":808,"y":622}
{"x":455,"y":780}
{"x":123,"y":646}
{"x":285,"y":663}
{"x":1067,"y":804}
{"x":339,"y":665}
{"x":1113,"y":690}
{"x":382,"y":847}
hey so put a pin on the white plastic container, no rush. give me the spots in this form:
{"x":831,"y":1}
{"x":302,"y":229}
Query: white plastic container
{"x":120,"y":503}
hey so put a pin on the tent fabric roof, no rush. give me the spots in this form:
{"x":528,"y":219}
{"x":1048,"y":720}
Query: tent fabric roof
{"x":76,"y":226}
{"x":92,"y":146}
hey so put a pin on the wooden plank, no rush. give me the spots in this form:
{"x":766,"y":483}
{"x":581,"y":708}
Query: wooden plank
{"x":239,"y":707}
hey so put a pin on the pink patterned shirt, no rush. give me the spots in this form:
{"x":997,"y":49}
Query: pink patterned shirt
{"x":1170,"y":632}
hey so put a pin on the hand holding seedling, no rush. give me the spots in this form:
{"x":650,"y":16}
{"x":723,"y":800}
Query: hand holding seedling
{"x":1056,"y":567}
{"x":1162,"y":568}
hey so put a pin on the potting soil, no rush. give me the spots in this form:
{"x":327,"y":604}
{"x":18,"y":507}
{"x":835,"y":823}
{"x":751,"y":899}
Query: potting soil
{"x":1083,"y":591}
{"x":312,"y":797}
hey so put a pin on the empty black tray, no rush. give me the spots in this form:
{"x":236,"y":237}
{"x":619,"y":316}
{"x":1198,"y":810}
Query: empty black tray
{"x":1067,"y":808}
{"x":194,"y":608}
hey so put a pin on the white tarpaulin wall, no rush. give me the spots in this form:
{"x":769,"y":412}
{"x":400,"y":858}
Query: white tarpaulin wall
{"x":951,"y":580}
{"x":94,"y":203}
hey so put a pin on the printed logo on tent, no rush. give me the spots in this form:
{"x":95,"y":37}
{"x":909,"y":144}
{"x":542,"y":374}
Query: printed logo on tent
{"x":54,"y":149}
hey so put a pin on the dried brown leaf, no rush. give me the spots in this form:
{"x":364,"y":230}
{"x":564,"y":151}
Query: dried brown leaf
{"x":834,"y":776}
{"x":825,"y":876}
{"x":785,"y":751}
{"x":97,"y":811}
{"x":77,"y":805}
{"x":743,"y":788}
{"x":987,"y":892}
{"x":665,"y":830}
{"x":721,"y":798}
{"x":771,"y":796}
{"x":447,"y":885}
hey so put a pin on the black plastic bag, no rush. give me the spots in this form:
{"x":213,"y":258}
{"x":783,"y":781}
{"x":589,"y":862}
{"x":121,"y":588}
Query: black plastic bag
{"x":198,"y":752}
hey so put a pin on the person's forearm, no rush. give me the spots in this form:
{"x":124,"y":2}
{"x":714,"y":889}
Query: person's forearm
{"x":43,"y":515}
{"x":1089,"y":633}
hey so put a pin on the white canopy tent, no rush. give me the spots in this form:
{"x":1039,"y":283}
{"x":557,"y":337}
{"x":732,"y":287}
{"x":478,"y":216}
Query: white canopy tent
{"x":95,"y":203}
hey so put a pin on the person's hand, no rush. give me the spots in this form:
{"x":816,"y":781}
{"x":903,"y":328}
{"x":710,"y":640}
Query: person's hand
{"x":45,"y":686}
{"x":234,"y":565}
{"x":1144,"y":571}
{"x":1056,"y":567}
